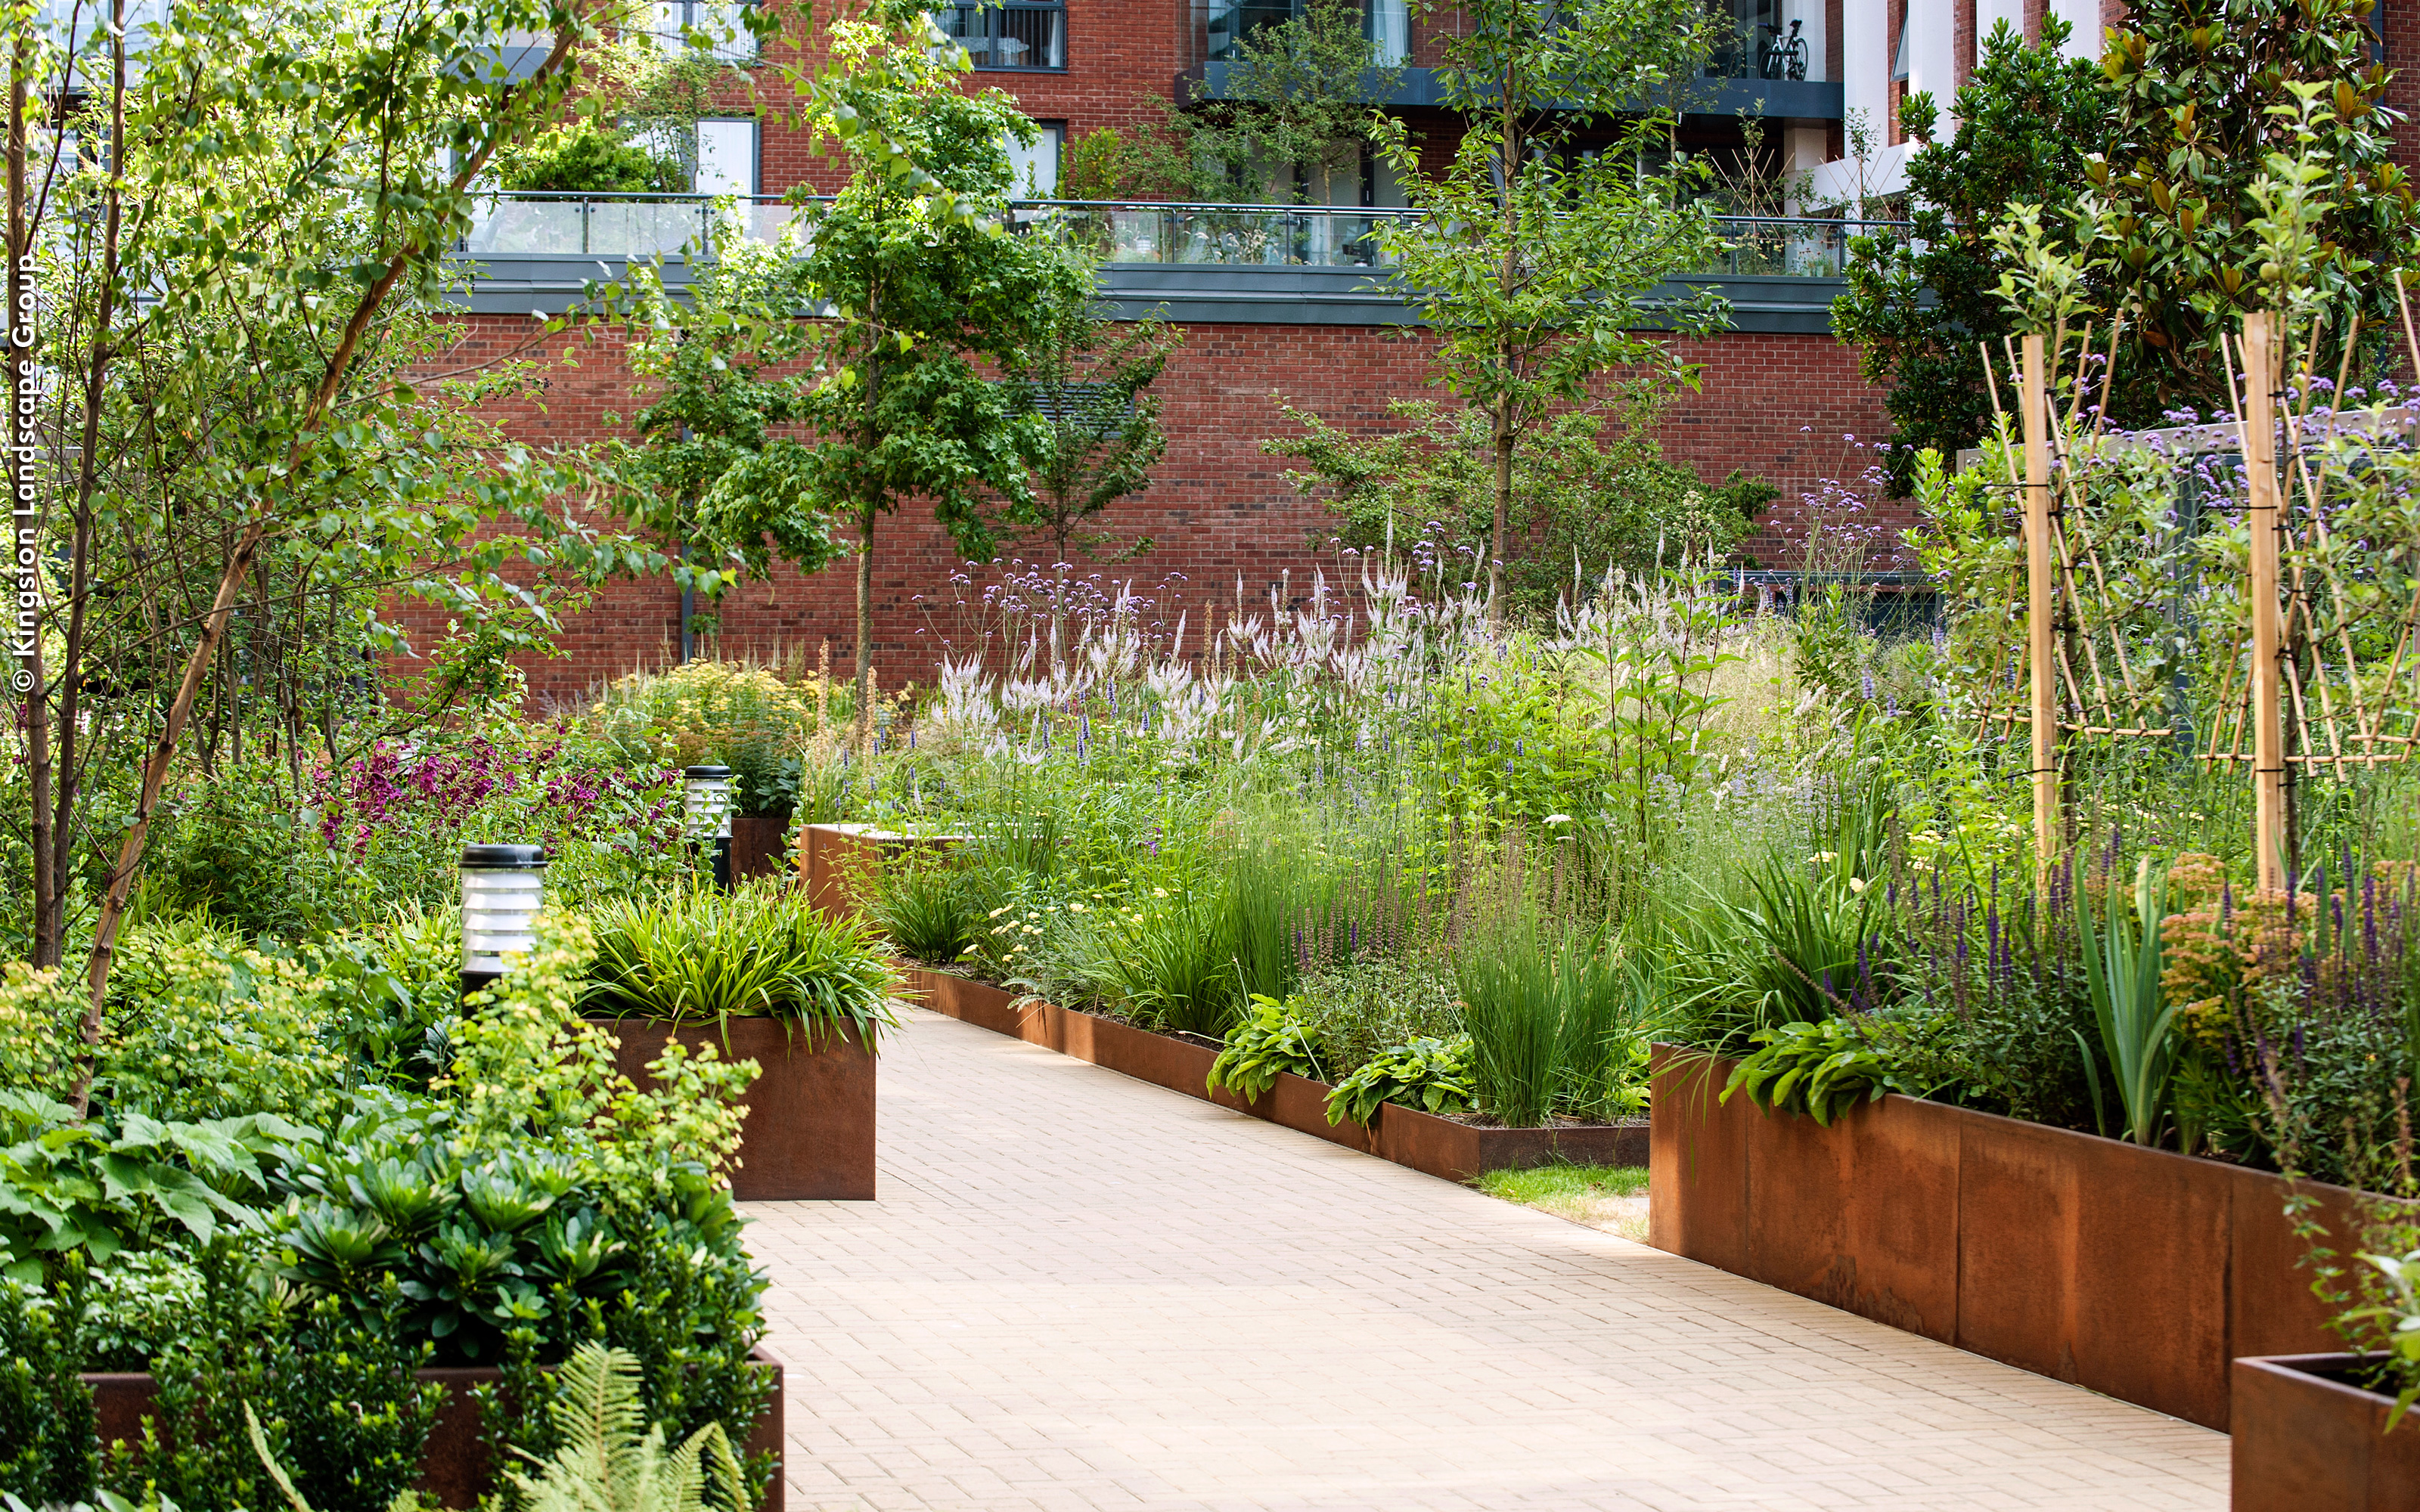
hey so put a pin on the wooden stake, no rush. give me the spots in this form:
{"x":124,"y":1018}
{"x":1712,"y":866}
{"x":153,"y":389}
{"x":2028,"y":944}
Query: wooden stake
{"x":2033,"y":405}
{"x":2268,"y":722}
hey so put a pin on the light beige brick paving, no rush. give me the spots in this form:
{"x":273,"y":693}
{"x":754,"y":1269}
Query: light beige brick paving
{"x":1079,"y":1291}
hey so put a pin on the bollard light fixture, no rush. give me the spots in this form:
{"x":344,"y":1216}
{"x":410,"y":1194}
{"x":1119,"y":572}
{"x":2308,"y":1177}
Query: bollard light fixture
{"x":707,"y":804}
{"x":502,"y":888}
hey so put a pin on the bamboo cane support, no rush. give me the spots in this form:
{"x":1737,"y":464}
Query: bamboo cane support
{"x":2268,"y":722}
{"x":2033,"y":410}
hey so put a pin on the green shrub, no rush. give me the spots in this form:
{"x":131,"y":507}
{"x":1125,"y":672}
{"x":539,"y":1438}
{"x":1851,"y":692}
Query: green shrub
{"x":1270,"y":1041}
{"x":46,"y":1424}
{"x":693,"y":953}
{"x":235,"y":849}
{"x":332,"y":1385}
{"x":1429,"y":1074}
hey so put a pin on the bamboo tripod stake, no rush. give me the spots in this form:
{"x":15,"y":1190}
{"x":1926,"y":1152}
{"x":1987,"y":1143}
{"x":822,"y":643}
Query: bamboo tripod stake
{"x":2033,"y":407}
{"x":2266,"y":520}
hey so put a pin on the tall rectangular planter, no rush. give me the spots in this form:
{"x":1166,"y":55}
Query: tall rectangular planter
{"x":454,"y":1464}
{"x":756,"y":849}
{"x":2136,"y":1273}
{"x":2304,"y":1442}
{"x":836,"y":860}
{"x":1439,"y":1146}
{"x":809,"y":1130}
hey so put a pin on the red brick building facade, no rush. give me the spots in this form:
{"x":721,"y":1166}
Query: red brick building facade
{"x":1780,"y":397}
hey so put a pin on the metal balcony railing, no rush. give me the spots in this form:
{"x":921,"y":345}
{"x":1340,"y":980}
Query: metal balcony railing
{"x":1211,"y":236}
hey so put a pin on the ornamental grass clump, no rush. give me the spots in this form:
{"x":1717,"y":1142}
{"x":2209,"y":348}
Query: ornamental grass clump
{"x":698,"y":955}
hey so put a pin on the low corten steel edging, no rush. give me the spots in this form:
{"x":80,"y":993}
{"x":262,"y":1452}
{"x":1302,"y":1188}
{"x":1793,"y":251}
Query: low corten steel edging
{"x":455,"y":1466}
{"x":1438,"y":1146}
{"x":2302,"y":1443}
{"x":809,"y":1130}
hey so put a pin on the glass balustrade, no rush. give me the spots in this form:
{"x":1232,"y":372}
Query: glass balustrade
{"x":1203,"y":236}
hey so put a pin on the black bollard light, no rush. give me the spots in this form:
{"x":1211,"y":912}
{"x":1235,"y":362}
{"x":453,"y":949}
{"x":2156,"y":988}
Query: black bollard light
{"x":503,"y":887}
{"x":707,"y":797}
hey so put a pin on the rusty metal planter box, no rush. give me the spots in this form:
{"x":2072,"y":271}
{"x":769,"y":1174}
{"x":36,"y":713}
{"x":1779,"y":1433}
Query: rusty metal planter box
{"x":2304,"y":1442}
{"x":808,"y":1133}
{"x":1439,"y":1146}
{"x":2135,"y":1272}
{"x":756,"y":845}
{"x":454,"y":1465}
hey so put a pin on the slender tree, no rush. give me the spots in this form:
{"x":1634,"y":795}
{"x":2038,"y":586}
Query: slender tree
{"x":924,"y":286}
{"x":1541,"y":244}
{"x":232,"y":297}
{"x":1088,"y":380}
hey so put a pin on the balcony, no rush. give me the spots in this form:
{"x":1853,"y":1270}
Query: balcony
{"x":1281,"y":264}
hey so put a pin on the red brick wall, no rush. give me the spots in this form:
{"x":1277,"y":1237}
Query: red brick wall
{"x":2400,"y":22}
{"x":1780,"y":407}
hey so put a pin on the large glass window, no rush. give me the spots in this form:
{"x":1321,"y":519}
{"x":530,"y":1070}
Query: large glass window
{"x":1388,"y":23}
{"x":1010,"y":34}
{"x":1747,"y":33}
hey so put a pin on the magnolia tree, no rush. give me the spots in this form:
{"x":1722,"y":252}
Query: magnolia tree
{"x":226,"y":239}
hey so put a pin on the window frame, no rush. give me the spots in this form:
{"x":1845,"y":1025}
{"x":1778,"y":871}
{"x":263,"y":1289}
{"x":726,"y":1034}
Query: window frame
{"x":991,"y":10}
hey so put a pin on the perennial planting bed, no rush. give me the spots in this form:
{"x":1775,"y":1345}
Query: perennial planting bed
{"x":1438,"y":1146}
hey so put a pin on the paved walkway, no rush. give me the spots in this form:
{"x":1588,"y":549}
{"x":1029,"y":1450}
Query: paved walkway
{"x":1081,"y":1292}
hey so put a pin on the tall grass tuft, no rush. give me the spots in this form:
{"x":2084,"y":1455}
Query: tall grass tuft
{"x":1171,"y":968}
{"x":926,"y":904}
{"x":696,"y":954}
{"x":1513,"y":1007}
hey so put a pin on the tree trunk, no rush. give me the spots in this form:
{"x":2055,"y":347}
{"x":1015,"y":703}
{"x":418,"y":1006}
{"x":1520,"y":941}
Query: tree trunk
{"x":1499,"y":534}
{"x":864,"y":736}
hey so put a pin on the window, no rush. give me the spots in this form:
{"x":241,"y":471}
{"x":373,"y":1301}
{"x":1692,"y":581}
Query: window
{"x":1744,"y":33}
{"x":1036,"y":168}
{"x":726,"y":158}
{"x":1388,"y":23}
{"x":718,"y":20}
{"x":1010,"y":34}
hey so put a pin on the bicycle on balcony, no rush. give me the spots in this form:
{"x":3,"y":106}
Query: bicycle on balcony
{"x":1783,"y":58}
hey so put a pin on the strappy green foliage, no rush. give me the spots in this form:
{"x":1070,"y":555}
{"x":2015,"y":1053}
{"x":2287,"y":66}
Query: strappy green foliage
{"x":758,"y":951}
{"x":2122,"y":966}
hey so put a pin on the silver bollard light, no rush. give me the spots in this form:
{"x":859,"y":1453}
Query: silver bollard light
{"x":503,"y":887}
{"x":707,"y":804}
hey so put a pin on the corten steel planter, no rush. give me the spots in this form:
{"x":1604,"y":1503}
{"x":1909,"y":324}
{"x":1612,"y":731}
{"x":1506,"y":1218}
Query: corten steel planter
{"x":454,"y":1465}
{"x":809,"y":1130}
{"x":835,"y":862}
{"x":756,"y":849}
{"x":1439,"y":1146}
{"x":2136,"y":1273}
{"x":2306,"y":1441}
